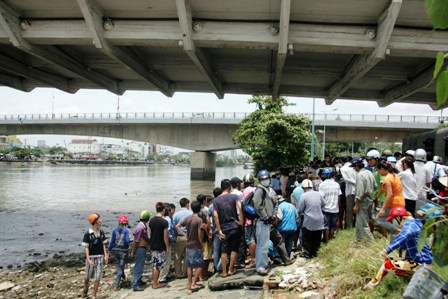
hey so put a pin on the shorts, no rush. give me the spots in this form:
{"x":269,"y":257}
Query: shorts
{"x":249,"y":234}
{"x":158,"y":259}
{"x":232,"y":241}
{"x":95,"y":272}
{"x":330,"y":220}
{"x":194,"y":258}
{"x":207,"y":250}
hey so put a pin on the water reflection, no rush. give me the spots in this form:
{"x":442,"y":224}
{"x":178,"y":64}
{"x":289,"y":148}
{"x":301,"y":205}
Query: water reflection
{"x":116,"y":188}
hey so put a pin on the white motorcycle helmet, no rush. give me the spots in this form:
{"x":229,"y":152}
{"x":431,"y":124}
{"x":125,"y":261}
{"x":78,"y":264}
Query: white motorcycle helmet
{"x":373,"y":154}
{"x":437,"y":159}
{"x":420,"y":155}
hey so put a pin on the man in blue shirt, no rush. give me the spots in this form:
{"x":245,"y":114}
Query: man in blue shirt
{"x":406,"y":240}
{"x":180,"y":265}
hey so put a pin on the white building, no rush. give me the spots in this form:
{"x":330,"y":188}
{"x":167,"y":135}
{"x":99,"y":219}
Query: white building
{"x":84,"y":147}
{"x":41,"y":144}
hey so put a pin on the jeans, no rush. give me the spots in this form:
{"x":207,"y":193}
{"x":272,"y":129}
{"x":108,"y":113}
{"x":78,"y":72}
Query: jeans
{"x":262,"y":233}
{"x":140,"y":257}
{"x":217,"y":252}
{"x":121,"y":261}
{"x":288,"y":237}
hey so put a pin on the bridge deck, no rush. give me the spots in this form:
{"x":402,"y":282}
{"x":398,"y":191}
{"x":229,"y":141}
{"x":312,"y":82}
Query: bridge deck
{"x":380,"y":50}
{"x":218,"y":118}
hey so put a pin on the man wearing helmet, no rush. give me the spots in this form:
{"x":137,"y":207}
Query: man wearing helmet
{"x":310,"y":205}
{"x":94,"y":241}
{"x":406,"y":240}
{"x":379,"y":196}
{"x":331,"y":191}
{"x":118,"y":247}
{"x":139,"y":248}
{"x":423,"y":175}
{"x":365,"y":185}
{"x":435,"y":167}
{"x":266,"y":205}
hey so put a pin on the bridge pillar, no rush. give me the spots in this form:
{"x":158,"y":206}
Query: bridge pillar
{"x":203,"y":166}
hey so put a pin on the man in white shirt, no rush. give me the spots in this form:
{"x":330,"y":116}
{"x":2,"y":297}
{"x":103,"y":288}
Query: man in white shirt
{"x":349,"y":175}
{"x":423,"y":176}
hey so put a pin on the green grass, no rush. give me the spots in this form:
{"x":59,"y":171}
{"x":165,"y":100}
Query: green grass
{"x":350,"y":266}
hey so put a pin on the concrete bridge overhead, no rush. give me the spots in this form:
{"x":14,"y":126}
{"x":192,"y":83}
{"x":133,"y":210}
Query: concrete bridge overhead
{"x":208,"y":131}
{"x":382,"y":50}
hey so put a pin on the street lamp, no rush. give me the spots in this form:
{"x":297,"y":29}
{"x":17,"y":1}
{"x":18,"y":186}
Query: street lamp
{"x":312,"y":130}
{"x":325,"y":123}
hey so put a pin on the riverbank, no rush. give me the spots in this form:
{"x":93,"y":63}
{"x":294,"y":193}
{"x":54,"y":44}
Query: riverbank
{"x":86,"y":162}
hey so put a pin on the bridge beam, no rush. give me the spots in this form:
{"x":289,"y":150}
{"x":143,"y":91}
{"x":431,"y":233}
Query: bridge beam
{"x":203,"y":166}
{"x":361,"y":64}
{"x":93,"y":15}
{"x":197,"y":55}
{"x":285,"y":11}
{"x":10,"y":22}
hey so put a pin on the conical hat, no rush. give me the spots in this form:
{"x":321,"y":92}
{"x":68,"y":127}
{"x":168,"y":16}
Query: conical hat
{"x":444,"y":181}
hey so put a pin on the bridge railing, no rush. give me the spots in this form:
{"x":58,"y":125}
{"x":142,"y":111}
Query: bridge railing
{"x":122,"y":116}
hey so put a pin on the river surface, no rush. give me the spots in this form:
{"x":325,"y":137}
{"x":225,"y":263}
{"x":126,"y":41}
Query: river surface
{"x":44,"y":208}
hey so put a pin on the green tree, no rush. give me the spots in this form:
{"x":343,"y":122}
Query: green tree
{"x":438,"y":13}
{"x":272,"y":138}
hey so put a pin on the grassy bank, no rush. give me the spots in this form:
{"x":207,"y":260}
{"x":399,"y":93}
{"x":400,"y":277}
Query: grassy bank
{"x":349,"y":266}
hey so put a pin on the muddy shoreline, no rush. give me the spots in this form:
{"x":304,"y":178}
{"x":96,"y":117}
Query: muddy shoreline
{"x":37,"y":236}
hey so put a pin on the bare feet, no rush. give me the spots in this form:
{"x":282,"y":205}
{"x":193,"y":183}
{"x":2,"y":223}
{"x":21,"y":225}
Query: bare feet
{"x":159,"y":285}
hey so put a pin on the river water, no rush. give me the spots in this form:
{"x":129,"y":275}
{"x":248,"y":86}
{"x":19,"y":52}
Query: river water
{"x":44,"y":208}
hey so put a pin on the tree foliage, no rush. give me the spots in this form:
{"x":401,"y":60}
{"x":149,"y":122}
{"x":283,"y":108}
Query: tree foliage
{"x":272,"y":138}
{"x":438,"y":13}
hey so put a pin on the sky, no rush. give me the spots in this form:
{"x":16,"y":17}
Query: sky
{"x":49,"y":100}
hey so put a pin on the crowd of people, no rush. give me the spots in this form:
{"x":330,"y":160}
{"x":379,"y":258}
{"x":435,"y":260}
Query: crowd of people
{"x":248,"y":225}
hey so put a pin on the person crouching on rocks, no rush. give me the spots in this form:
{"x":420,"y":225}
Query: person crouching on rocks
{"x":95,"y":249}
{"x":119,"y":247}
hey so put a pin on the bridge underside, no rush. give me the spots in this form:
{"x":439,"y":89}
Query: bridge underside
{"x":380,"y":50}
{"x":197,"y":137}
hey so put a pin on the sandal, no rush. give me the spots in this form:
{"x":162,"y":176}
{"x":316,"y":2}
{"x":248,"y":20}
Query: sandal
{"x":231,"y":273}
{"x":195,"y":289}
{"x":263,"y":272}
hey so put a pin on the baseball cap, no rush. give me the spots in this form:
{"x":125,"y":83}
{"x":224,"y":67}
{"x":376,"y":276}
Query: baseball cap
{"x":356,"y":160}
{"x":281,"y":198}
{"x":307,"y":184}
{"x":391,"y":159}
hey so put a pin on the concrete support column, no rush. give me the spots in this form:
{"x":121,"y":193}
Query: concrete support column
{"x":203,"y":166}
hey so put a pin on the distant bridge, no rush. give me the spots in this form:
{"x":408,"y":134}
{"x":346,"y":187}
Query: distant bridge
{"x":207,"y":131}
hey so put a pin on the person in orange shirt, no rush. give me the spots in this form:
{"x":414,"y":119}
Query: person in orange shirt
{"x":393,"y":189}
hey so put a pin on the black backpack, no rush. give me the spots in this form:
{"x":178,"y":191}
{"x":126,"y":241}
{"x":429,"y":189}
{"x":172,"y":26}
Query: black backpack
{"x":248,"y":205}
{"x":436,"y":185}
